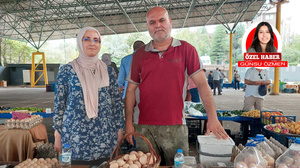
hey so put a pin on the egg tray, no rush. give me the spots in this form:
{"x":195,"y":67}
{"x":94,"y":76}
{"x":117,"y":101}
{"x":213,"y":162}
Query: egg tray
{"x":44,"y":163}
{"x":26,"y":123}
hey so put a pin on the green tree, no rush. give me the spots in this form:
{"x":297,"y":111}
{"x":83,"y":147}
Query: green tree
{"x":237,"y":53}
{"x":291,"y":51}
{"x":13,"y":51}
{"x":198,"y":38}
{"x":220,"y":48}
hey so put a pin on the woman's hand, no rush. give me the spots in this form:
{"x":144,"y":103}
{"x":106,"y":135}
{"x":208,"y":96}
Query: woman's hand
{"x":57,"y":142}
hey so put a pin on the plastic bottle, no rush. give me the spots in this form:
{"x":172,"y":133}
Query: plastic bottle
{"x":250,"y":157}
{"x":179,"y":159}
{"x":291,"y":157}
{"x":66,"y":156}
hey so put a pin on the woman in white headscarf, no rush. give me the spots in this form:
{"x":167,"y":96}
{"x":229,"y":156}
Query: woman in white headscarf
{"x":87,"y":105}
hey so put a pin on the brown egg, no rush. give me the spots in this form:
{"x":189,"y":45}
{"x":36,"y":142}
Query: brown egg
{"x":241,"y":164}
{"x":113,"y":161}
{"x":114,"y":165}
{"x":126,"y":165}
{"x":138,"y":164}
{"x":282,"y":165}
{"x":35,"y":159}
{"x":250,"y":159}
{"x":17,"y":166}
{"x":297,"y":162}
{"x":121,"y":162}
{"x":133,"y":152}
{"x":130,"y":162}
{"x":41,"y":159}
{"x":132,"y":156}
{"x":143,"y":159}
{"x":140,"y":153}
{"x":126,"y":157}
{"x":289,"y":161}
{"x":55,"y":160}
{"x":48,"y":159}
{"x":270,"y":160}
{"x":252,"y":165}
{"x":133,"y":166}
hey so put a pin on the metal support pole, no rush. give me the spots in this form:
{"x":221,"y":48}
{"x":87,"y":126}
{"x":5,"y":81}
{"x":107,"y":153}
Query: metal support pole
{"x":276,"y":71}
{"x":230,"y":59}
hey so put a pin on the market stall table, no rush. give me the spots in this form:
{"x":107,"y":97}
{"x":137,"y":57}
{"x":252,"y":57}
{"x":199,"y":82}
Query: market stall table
{"x":19,"y":144}
{"x":245,"y":121}
{"x":44,"y":115}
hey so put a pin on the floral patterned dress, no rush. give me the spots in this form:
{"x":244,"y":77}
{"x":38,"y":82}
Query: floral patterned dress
{"x":90,"y":139}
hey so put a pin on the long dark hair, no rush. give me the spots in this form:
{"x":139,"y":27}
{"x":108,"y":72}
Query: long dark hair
{"x":255,"y":43}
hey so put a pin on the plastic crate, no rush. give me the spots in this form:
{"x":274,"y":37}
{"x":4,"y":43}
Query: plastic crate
{"x":267,"y":120}
{"x":193,"y":123}
{"x":194,"y":128}
{"x":277,"y":119}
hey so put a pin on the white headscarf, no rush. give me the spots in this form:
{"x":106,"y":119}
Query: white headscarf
{"x":92,"y":74}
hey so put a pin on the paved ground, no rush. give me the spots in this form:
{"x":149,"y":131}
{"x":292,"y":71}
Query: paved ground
{"x":230,"y":100}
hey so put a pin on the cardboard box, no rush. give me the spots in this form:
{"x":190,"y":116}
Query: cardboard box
{"x":3,"y":83}
{"x":211,"y":149}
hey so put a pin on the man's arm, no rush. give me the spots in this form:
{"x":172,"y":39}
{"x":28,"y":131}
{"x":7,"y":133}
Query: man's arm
{"x":129,"y":106}
{"x":213,"y":124}
{"x":249,"y":82}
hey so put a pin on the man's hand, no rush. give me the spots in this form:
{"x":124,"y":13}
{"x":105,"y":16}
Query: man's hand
{"x":216,"y":128}
{"x":57,"y":142}
{"x":129,"y":128}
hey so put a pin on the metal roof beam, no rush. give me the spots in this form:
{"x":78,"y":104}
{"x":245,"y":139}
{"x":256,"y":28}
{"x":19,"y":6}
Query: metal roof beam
{"x":219,"y":6}
{"x":193,"y":3}
{"x":94,"y":14}
{"x":125,"y":13}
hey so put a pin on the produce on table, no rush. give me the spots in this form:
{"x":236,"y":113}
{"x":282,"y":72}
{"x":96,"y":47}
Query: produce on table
{"x":23,"y":110}
{"x":293,"y":127}
{"x":253,"y":113}
{"x":267,"y":117}
{"x":277,"y":128}
{"x":200,"y":108}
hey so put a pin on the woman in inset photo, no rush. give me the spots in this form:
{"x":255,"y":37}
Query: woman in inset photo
{"x":263,"y":40}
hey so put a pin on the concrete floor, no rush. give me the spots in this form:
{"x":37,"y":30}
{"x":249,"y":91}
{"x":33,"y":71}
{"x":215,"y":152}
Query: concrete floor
{"x":231,"y":99}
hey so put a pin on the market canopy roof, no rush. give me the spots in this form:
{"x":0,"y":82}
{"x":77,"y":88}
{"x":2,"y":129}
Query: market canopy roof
{"x":36,"y":21}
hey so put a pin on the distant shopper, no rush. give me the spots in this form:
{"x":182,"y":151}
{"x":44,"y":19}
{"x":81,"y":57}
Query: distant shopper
{"x":106,"y":58}
{"x":236,"y":80}
{"x":216,"y":77}
{"x":221,"y":79}
{"x":255,"y":77}
{"x":210,"y":79}
{"x":125,"y":67}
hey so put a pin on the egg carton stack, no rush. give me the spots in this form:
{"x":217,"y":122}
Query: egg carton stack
{"x":26,"y":123}
{"x":277,"y":147}
{"x":44,"y":163}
